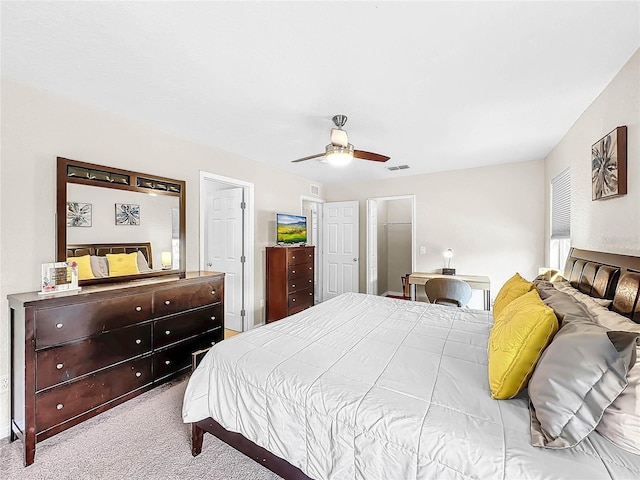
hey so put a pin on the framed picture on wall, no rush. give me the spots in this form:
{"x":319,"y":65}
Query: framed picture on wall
{"x":127,"y":214}
{"x":78,"y":214}
{"x":609,"y":165}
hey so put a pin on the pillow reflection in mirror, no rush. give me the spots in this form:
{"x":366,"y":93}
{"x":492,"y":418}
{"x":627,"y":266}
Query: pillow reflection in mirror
{"x":143,"y":266}
{"x":99,"y":266}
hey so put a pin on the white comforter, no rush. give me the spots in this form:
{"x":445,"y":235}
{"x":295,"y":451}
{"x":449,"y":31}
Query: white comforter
{"x":364,"y":387}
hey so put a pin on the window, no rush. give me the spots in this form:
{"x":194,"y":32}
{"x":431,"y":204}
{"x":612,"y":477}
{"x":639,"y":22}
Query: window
{"x":560,"y":220}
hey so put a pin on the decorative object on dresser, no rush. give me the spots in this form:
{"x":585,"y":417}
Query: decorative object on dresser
{"x":290,"y":274}
{"x":609,"y":165}
{"x":77,"y":355}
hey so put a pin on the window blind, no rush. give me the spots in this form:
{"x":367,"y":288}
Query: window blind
{"x":561,"y":205}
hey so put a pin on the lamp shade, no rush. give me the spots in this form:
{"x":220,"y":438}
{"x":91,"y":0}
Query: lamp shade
{"x":339,"y":156}
{"x":165,"y":259}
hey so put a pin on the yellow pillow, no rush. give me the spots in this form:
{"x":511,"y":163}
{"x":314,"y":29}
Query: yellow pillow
{"x":122,"y":264}
{"x":512,"y":289}
{"x":523,"y":330}
{"x":84,"y":266}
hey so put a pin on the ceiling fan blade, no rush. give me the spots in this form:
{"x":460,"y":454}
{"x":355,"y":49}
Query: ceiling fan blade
{"x":310,"y":157}
{"x":375,"y":157}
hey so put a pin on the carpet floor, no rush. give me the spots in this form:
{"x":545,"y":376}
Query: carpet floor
{"x":123,"y":444}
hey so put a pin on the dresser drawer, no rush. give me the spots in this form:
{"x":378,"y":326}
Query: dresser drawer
{"x":178,"y":357}
{"x":299,"y":255}
{"x":300,"y":283}
{"x":62,"y":403}
{"x":176,"y":299}
{"x":71,"y":322}
{"x":59,"y":364}
{"x":300,"y":300}
{"x":300,"y":271}
{"x":179,"y":327}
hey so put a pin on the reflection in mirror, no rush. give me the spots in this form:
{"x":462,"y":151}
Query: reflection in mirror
{"x":103,"y":211}
{"x":156,"y":221}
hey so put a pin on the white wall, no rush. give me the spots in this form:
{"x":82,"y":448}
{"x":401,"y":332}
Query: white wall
{"x":492,"y":218}
{"x":38,"y":126}
{"x":611,"y":225}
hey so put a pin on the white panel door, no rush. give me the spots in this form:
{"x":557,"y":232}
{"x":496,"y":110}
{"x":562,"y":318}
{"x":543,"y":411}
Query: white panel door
{"x":372,"y":247}
{"x":224,"y":250}
{"x":340,"y":236}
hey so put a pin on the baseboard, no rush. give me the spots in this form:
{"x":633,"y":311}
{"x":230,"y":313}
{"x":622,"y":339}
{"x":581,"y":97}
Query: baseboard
{"x":388,"y":293}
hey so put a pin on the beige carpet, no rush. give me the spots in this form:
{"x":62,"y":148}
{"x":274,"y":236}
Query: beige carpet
{"x":122,"y":444}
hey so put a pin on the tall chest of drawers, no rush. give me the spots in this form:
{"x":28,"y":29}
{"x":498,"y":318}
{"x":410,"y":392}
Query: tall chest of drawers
{"x":77,"y":355}
{"x":290,"y":273}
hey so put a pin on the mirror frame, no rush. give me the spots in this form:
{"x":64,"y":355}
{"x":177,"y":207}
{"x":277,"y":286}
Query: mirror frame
{"x":109,"y":177}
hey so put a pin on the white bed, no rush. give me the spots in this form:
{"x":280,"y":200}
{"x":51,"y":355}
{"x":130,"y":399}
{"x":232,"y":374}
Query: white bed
{"x":365,"y":387}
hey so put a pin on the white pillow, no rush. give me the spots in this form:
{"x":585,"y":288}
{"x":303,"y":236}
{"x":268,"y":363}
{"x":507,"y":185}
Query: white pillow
{"x":143,"y":266}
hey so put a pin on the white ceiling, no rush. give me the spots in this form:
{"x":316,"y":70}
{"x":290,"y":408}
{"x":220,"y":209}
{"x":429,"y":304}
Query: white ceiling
{"x":435,"y":85}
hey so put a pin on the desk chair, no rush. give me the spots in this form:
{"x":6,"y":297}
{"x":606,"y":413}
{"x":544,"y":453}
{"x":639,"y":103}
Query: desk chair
{"x":448,"y":291}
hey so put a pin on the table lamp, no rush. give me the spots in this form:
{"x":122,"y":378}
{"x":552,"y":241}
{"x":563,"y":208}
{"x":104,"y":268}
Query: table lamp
{"x":448,"y":254}
{"x":165,"y":259}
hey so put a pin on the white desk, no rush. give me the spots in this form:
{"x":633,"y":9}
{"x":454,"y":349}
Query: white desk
{"x":474,"y":281}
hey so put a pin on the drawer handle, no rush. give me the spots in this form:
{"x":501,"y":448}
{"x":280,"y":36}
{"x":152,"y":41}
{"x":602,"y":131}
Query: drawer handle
{"x":59,"y":406}
{"x":293,"y":299}
{"x":167,"y":302}
{"x":213,"y":343}
{"x":293,"y":271}
{"x":213,"y":292}
{"x":138,"y":309}
{"x":138,"y":341}
{"x":293,"y":286}
{"x":310,"y":268}
{"x":58,"y":325}
{"x":167,"y":362}
{"x":213,"y":318}
{"x":59,"y":366}
{"x":293,"y":256}
{"x":138,"y":374}
{"x":310,"y":255}
{"x":309,"y":280}
{"x":310,"y":293}
{"x":167,"y":332}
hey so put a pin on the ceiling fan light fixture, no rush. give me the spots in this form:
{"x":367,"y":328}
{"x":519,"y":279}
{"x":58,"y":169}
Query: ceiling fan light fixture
{"x":339,"y":156}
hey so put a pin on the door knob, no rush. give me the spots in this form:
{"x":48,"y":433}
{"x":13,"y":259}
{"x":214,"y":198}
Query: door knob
{"x":355,"y":259}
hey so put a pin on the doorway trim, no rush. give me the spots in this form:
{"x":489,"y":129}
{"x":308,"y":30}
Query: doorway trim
{"x":248,"y":235}
{"x":319,"y":290}
{"x":369,"y":241}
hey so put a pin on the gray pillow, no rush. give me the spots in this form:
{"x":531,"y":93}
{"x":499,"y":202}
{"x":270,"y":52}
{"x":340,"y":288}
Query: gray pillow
{"x":579,"y":375}
{"x":99,"y":266}
{"x":143,"y":266}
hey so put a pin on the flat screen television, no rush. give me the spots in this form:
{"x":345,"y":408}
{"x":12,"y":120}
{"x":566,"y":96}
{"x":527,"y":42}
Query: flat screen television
{"x":292,"y":229}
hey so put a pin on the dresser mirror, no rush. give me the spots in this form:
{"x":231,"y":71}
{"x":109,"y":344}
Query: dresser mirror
{"x":119,"y":224}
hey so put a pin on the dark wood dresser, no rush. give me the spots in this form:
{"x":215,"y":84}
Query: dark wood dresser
{"x":289,"y":281}
{"x":77,"y":355}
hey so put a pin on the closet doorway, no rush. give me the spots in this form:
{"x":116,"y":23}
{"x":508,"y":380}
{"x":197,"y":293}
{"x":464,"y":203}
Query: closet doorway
{"x":391,"y":238}
{"x":227,"y":243}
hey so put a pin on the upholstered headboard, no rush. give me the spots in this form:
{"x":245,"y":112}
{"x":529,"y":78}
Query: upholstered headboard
{"x":607,"y":275}
{"x":101,"y":249}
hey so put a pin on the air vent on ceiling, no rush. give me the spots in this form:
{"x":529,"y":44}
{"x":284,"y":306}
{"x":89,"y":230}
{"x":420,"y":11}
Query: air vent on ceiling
{"x":398,"y":167}
{"x":315,"y":190}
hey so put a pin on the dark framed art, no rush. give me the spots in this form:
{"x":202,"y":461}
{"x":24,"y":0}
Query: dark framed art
{"x":609,"y":165}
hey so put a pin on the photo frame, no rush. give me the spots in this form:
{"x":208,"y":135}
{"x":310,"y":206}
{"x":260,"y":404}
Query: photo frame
{"x":79,"y":214}
{"x":127,"y":214}
{"x":59,"y":277}
{"x":609,"y":165}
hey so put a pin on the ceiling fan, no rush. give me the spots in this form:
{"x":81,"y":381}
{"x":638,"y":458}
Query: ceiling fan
{"x":340,"y":152}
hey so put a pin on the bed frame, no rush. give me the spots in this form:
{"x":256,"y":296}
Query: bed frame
{"x":598,"y":274}
{"x":101,"y":249}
